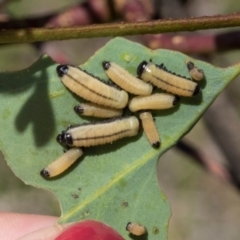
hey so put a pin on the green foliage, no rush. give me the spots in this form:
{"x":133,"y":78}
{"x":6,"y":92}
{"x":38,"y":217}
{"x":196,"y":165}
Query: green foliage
{"x":114,"y":183}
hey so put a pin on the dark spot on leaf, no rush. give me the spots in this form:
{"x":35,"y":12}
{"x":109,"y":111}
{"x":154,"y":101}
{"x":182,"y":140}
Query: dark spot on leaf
{"x":124,"y":204}
{"x":75,"y":196}
{"x":155,"y":230}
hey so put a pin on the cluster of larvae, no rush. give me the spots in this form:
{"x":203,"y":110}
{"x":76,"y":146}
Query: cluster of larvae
{"x":108,"y":101}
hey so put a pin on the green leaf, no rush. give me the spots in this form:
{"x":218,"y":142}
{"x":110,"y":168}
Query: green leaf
{"x":114,"y":183}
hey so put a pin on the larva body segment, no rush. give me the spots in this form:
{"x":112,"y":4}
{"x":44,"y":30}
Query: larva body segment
{"x":125,"y":80}
{"x":196,"y":73}
{"x":136,"y":229}
{"x":150,"y":129}
{"x":155,"y":101}
{"x":94,"y":134}
{"x":161,"y":78}
{"x":95,"y":110}
{"x":91,"y":88}
{"x":62,"y":163}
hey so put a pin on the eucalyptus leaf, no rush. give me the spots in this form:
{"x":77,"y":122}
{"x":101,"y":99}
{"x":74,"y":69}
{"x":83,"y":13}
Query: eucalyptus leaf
{"x":114,"y":183}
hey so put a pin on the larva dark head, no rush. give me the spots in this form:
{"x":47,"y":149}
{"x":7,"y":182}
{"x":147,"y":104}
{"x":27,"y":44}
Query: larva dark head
{"x":44,"y":173}
{"x":79,"y":109}
{"x":176,"y":100}
{"x":62,"y":70}
{"x":156,"y":144}
{"x":197,"y":90}
{"x":60,"y":138}
{"x":190,"y":65}
{"x":200,"y":71}
{"x":127,"y":227}
{"x":68,"y":139}
{"x":141,"y":68}
{"x":106,"y":65}
{"x":65,"y":138}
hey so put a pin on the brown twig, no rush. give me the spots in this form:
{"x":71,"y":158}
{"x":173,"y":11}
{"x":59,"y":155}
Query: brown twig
{"x":119,"y":29}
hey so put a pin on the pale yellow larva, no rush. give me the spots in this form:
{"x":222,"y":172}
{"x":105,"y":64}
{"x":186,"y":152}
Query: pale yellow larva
{"x":150,"y":129}
{"x":62,"y":163}
{"x":161,"y":78}
{"x":104,"y":132}
{"x":125,"y":80}
{"x":196,"y":73}
{"x":136,"y":229}
{"x":91,"y":88}
{"x":155,"y":101}
{"x":95,"y":110}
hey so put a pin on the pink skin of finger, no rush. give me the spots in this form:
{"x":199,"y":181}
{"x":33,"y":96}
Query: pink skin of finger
{"x":91,"y":230}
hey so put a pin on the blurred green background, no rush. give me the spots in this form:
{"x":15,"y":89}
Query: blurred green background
{"x":203,"y":206}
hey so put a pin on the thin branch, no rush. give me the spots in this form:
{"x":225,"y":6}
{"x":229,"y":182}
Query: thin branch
{"x":119,"y":29}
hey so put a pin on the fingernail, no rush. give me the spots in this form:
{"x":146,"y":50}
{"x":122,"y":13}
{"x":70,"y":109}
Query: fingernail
{"x":90,"y":229}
